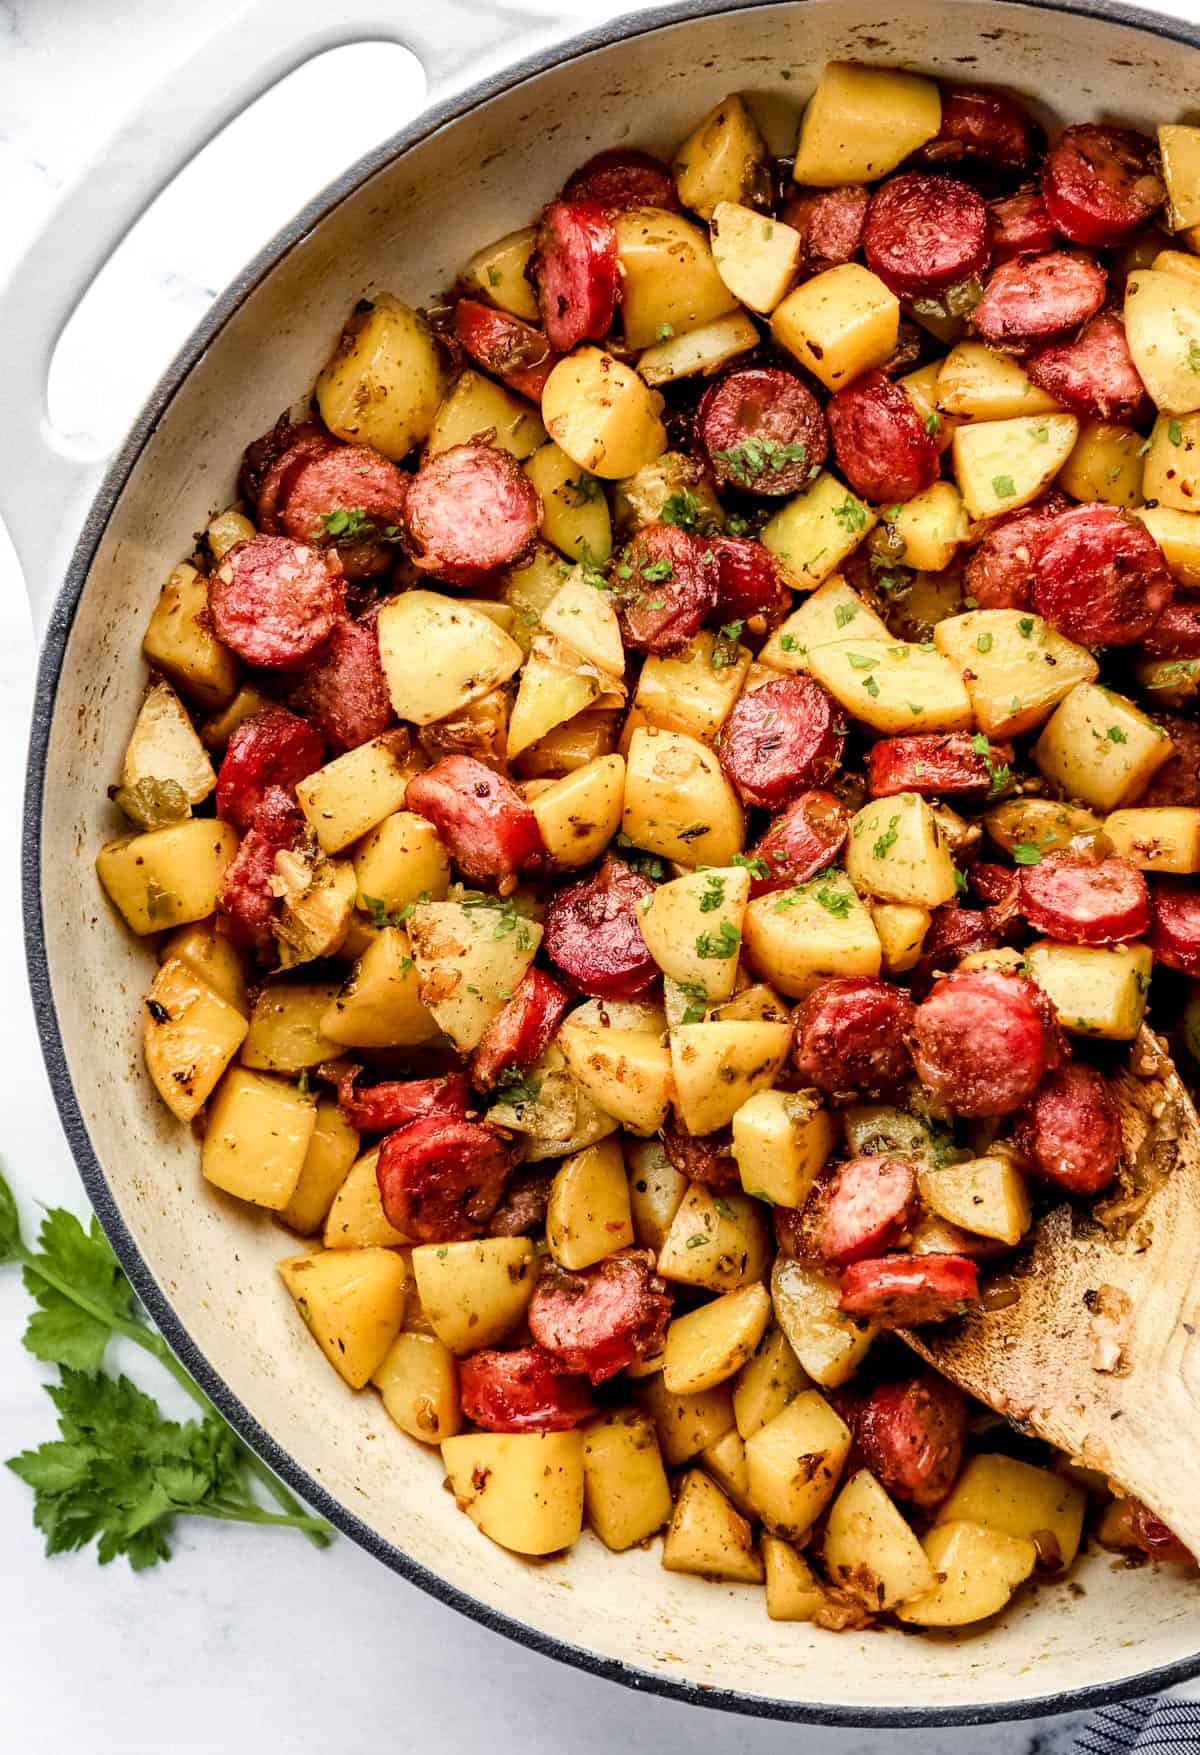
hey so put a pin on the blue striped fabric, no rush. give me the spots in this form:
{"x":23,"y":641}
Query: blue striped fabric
{"x":1161,"y":1725}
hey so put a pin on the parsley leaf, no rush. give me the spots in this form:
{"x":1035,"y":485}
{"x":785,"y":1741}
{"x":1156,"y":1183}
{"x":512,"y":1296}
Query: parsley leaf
{"x":983,"y":643}
{"x":725,"y":646}
{"x":1003,"y":487}
{"x":714,"y":894}
{"x":933,"y":422}
{"x":888,"y":840}
{"x":581,"y":490}
{"x":697,"y":1002}
{"x":1116,"y":735}
{"x":834,"y":901}
{"x":757,"y":867}
{"x":1027,"y":853}
{"x":721,"y":944}
{"x":755,"y":456}
{"x":1175,"y":433}
{"x":517,"y":1088}
{"x":351,"y":524}
{"x":844,"y":614}
{"x":682,"y":510}
{"x":647,"y":864}
{"x":851,"y":515}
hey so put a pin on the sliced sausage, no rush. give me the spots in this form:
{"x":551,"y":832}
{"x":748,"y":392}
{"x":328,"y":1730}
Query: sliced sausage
{"x":946,"y":764}
{"x":576,"y":273}
{"x":261,"y":456}
{"x":470,"y":510}
{"x":515,"y":352}
{"x":521,"y":1032}
{"x":1070,"y":1132}
{"x":953,"y":933}
{"x":880,"y":441}
{"x":490,"y":830}
{"x":748,"y":581}
{"x":1099,"y":577}
{"x":665,"y":582}
{"x":983,"y":1041}
{"x":601,"y":1320}
{"x":1178,"y":780}
{"x":526,"y":1390}
{"x":780,"y":740}
{"x":1101,"y":185}
{"x":522,"y":1212}
{"x":903,"y":1291}
{"x":1000,"y":887}
{"x":803,"y":841}
{"x":1085,"y":901}
{"x":1000,"y":572}
{"x":273,"y":749}
{"x":1152,"y":1536}
{"x":278,"y":817}
{"x":1021,"y":226}
{"x":981,"y":126}
{"x":275,"y":602}
{"x":911,"y":1433}
{"x":592,"y":933}
{"x":247,"y":902}
{"x":441,"y":1178}
{"x":279,"y":469}
{"x":1034,"y":299}
{"x":348,"y":497}
{"x":1176,"y":633}
{"x":395,"y":1102}
{"x":925,"y":233}
{"x":762,"y":430}
{"x":704,"y":1158}
{"x":1175,"y":934}
{"x":1093,"y":375}
{"x":622,"y":178}
{"x":343,"y":689}
{"x":864,"y":1209}
{"x":830,"y":223}
{"x":851,"y":1038}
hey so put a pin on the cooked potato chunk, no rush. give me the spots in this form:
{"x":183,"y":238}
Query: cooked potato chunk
{"x":700,"y":352}
{"x":1171,"y":478}
{"x":1015,"y":666}
{"x":821,"y":620}
{"x":625,"y":1492}
{"x":438,"y":654}
{"x":897,"y":853}
{"x":861,"y":122}
{"x":718,"y":1242}
{"x":669,"y":281}
{"x":689,"y":692}
{"x":356,"y":1219}
{"x":467,"y":958}
{"x":693,"y":929}
{"x":870,"y":1550}
{"x":499,"y":274}
{"x":550,"y":693}
{"x":767,"y":1382}
{"x":179,"y":641}
{"x":286,"y":1027}
{"x":353,"y":1303}
{"x":1179,"y":150}
{"x":895,"y":689}
{"x":384,"y":381}
{"x":579,"y":814}
{"x":655,"y":1190}
{"x":794,"y":1461}
{"x":1016,"y":1499}
{"x":418,"y":1380}
{"x":163,"y":746}
{"x":585,"y":621}
{"x":926,"y":531}
{"x":1162,"y":839}
{"x":316,"y":897}
{"x":1002,"y":464}
{"x":717,"y":1066}
{"x":588,"y":1216}
{"x":168,"y":877}
{"x":331,"y":1152}
{"x":627,"y":1073}
{"x":1095,"y":991}
{"x":478,"y":408}
{"x":257,"y":1136}
{"x":709,"y":1344}
{"x":1106,"y":465}
{"x":380,"y":1004}
{"x":829,"y":1345}
{"x":781,"y":1139}
{"x":977,"y":383}
{"x":815,"y":531}
{"x":678,"y":802}
{"x":602,"y":414}
{"x":1162,"y":327}
{"x":475,"y":1293}
{"x":794,"y":938}
{"x":839,"y":324}
{"x":725,"y":1463}
{"x":1044,"y":823}
{"x":901,"y":927}
{"x":985,"y":1195}
{"x":723,"y":159}
{"x":686,"y":1424}
{"x":1100,"y":748}
{"x":214,"y":958}
{"x":523,"y":1489}
{"x":401,"y":861}
{"x":709,"y":1537}
{"x":794,"y":1592}
{"x":756,"y":255}
{"x":975,"y":1570}
{"x":574,"y":510}
{"x":1178,"y":535}
{"x":190,"y":1033}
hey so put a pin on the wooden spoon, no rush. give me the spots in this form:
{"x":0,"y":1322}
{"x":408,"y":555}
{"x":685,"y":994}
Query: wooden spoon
{"x":1099,"y":1354}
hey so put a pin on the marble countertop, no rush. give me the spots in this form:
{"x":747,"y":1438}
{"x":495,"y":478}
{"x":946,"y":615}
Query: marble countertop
{"x":245,"y":1639}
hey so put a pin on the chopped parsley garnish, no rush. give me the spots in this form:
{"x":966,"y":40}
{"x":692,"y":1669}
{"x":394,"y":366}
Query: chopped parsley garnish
{"x":755,"y":456}
{"x":1025,"y":626}
{"x":1175,"y":433}
{"x":757,"y":867}
{"x":697,"y":1002}
{"x":1027,"y":853}
{"x":888,"y":840}
{"x":682,"y":510}
{"x":581,"y":490}
{"x":517,"y":1088}
{"x":789,"y":643}
{"x":851,"y":515}
{"x":834,"y":901}
{"x":665,"y":331}
{"x":725,"y":646}
{"x":844,"y":614}
{"x":861,"y":661}
{"x":933,"y":422}
{"x":656,"y":570}
{"x":714,"y":894}
{"x":648,"y":864}
{"x":1116,"y":735}
{"x":1040,"y":433}
{"x":1193,"y":358}
{"x":1003,"y":487}
{"x":720,"y":944}
{"x":871,"y":686}
{"x":353,"y":525}
{"x":983,"y":643}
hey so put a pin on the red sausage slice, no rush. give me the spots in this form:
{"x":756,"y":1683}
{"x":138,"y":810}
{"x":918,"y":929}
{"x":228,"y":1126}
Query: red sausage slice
{"x":935,"y":765}
{"x":601,"y":1320}
{"x":396,"y":1102}
{"x":523,"y":1030}
{"x":983,"y":1041}
{"x":522,"y":1212}
{"x":903,"y":1291}
{"x":348,"y":497}
{"x":511,"y":350}
{"x":622,"y":178}
{"x":576,"y":271}
{"x":592,"y":933}
{"x":1099,"y":577}
{"x":273,"y":749}
{"x":912,"y":1433}
{"x":1093,"y":375}
{"x":1178,"y":780}
{"x":926,"y":233}
{"x":880,"y":441}
{"x":1153,"y":1537}
{"x":1176,"y":633}
{"x":441,"y":1178}
{"x":954,"y":933}
{"x":1100,"y":184}
{"x":781,"y":740}
{"x":261,"y":456}
{"x":851,"y":1038}
{"x":247,"y":902}
{"x":984,"y":127}
{"x":488,"y":827}
{"x":1000,"y":572}
{"x":703,"y":1158}
{"x":1033,"y":299}
{"x":470,"y":510}
{"x":1083,"y":901}
{"x":864,"y":1209}
{"x":343,"y":690}
{"x":803,"y":841}
{"x":748,"y":581}
{"x":1071,"y":1130}
{"x":1021,"y":226}
{"x":830,"y":223}
{"x":665,"y":582}
{"x":275,"y":602}
{"x":1175,"y":935}
{"x":762,"y":430}
{"x":523,"y":1391}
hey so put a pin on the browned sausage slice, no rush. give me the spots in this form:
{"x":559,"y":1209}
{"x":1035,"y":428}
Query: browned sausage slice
{"x":762,"y":430}
{"x":864,"y":1209}
{"x":912,"y":1432}
{"x":780,"y":740}
{"x":441,"y":1178}
{"x":470,"y":510}
{"x":665,"y":583}
{"x":490,"y":830}
{"x":1100,"y":184}
{"x":903,"y":1291}
{"x":1085,"y":901}
{"x":1093,"y":374}
{"x":1099,"y":577}
{"x":576,"y":272}
{"x":592,"y":933}
{"x":275,"y":602}
{"x":525,"y":1390}
{"x":1034,"y":299}
{"x":851,"y":1038}
{"x":983,"y":1041}
{"x":803,"y":841}
{"x":926,"y":233}
{"x":1070,"y":1132}
{"x":601,"y":1320}
{"x":880,"y":441}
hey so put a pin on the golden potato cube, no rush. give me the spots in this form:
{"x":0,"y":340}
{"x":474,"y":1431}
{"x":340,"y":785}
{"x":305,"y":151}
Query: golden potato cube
{"x":574,"y":509}
{"x":384,"y":380}
{"x":380,"y":1004}
{"x":921,"y":387}
{"x":214,"y":958}
{"x":356,"y":1219}
{"x":190,"y":1033}
{"x":1162,"y":328}
{"x":549,"y":693}
{"x":976,"y":1571}
{"x":499,"y":274}
{"x":286,"y":1032}
{"x":218,"y":728}
{"x":163,"y":746}
{"x":226,"y":530}
{"x":1095,"y":991}
{"x":977,"y":383}
{"x":901,"y":927}
{"x":723,"y":159}
{"x":353,"y":1303}
{"x":626,"y":1496}
{"x":579,"y":814}
{"x":1178,"y":535}
{"x":256,"y":1138}
{"x":467,"y":958}
{"x":767,"y":1382}
{"x":1017,"y":1499}
{"x":400,"y":861}
{"x":1161,"y":839}
{"x":1002,"y":464}
{"x":1177,"y":262}
{"x":475,"y":1293}
{"x":331,"y":1151}
{"x":602,"y":414}
{"x":897,"y":853}
{"x":686,"y":1424}
{"x":756,"y":255}
{"x":794,"y":1461}
{"x":523,"y":1489}
{"x":694,"y":690}
{"x":757,"y":1003}
{"x":725,"y":1463}
{"x":870,"y":1550}
{"x":418,"y":1380}
{"x":584,"y":621}
{"x":781,"y":1140}
{"x":626,"y":1073}
{"x":439,"y":654}
{"x":718,"y":1242}
{"x":829,"y":1345}
{"x":1015,"y":666}
{"x":710,"y":1343}
{"x":179,"y":641}
{"x":795,"y":938}
{"x":655,"y":1190}
{"x":718,"y":1065}
{"x":355,"y":792}
{"x":700,"y":352}
{"x":895,"y":689}
{"x":167,"y":877}
{"x":794,"y":1592}
{"x":1179,"y":149}
{"x":1100,"y":748}
{"x":1171,"y":478}
{"x":669,"y":281}
{"x":839,"y":324}
{"x":693,"y":929}
{"x":819,"y":621}
{"x":316,"y":899}
{"x":478,"y":410}
{"x":588,"y":1215}
{"x":707,"y":1536}
{"x":1106,"y":465}
{"x":1043,"y":823}
{"x":861,"y":122}
{"x":987,"y":1196}
{"x":927,"y":530}
{"x":814,"y":532}
{"x":530,"y":588}
{"x":678,"y":802}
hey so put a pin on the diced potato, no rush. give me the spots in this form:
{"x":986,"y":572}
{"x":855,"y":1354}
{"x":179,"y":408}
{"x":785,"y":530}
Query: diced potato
{"x":331,"y":1152}
{"x":725,"y":1462}
{"x":669,"y":281}
{"x":190,"y":1033}
{"x":691,"y":691}
{"x":523,"y":1489}
{"x":383,"y":382}
{"x":700,"y":352}
{"x":686,"y":1424}
{"x":467,"y":958}
{"x":1100,"y":748}
{"x":163,"y":746}
{"x":987,"y":1196}
{"x":673,"y":486}
{"x":880,"y":1130}
{"x":829,"y":1345}
{"x":794,"y":1461}
{"x":861,"y":122}
{"x":550,"y":693}
{"x":579,"y":814}
{"x":627,"y":1073}
{"x":1163,"y":839}
{"x":1043,"y":823}
{"x":380,"y":1005}
{"x":977,"y":383}
{"x":975,"y":1570}
{"x":813,"y":533}
{"x":316,"y":903}
{"x":709,"y":1537}
{"x":214,"y":958}
{"x":756,"y":255}
{"x":839,"y":324}
{"x":757,"y":1003}
{"x":717,"y":1066}
{"x":438,"y":654}
{"x":767,"y":1382}
{"x":1018,"y":1500}
{"x":179,"y":641}
{"x":1179,"y":149}
{"x":678,"y":802}
{"x":1178,"y":535}
{"x":1177,"y":262}
{"x":718,"y":1242}
{"x":355,"y":792}
{"x":781,"y":1140}
{"x":1095,"y":991}
{"x":724,"y":159}
{"x":168,"y":877}
{"x":475,"y":1293}
{"x":1002,"y":464}
{"x":602,"y":414}
{"x":353,"y":1303}
{"x":588,"y":1216}
{"x":499,"y":274}
{"x":287,"y":1027}
{"x":870,"y":1550}
{"x":925,"y":532}
{"x":226,"y":530}
{"x":356,"y":1219}
{"x":895,"y":689}
{"x":921,"y":387}
{"x":1015,"y":666}
{"x":625,"y":1491}
{"x":530,"y":587}
{"x":794,"y":1592}
{"x":896,"y":852}
{"x":400,"y":861}
{"x":693,"y":928}
{"x":256,"y":1138}
{"x":1171,"y":478}
{"x":583,"y":619}
{"x":820,"y":620}
{"x":418,"y":1380}
{"x":901,"y":927}
{"x":1162,"y":328}
{"x":1106,"y":465}
{"x":477,"y":408}
{"x":656,"y":1189}
{"x":218,"y":728}
{"x":795,"y":938}
{"x":574,"y":508}
{"x":712,"y":1342}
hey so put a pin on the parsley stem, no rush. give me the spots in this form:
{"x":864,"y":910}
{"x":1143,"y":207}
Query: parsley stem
{"x":298,"y":1520}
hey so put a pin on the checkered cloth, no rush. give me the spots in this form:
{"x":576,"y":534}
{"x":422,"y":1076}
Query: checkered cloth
{"x":1163,"y":1725}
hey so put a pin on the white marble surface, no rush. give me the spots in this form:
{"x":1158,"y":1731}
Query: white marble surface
{"x":247,"y":1640}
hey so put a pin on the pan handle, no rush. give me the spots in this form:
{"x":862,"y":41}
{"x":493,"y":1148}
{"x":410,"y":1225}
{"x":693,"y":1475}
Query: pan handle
{"x":47,"y":479}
